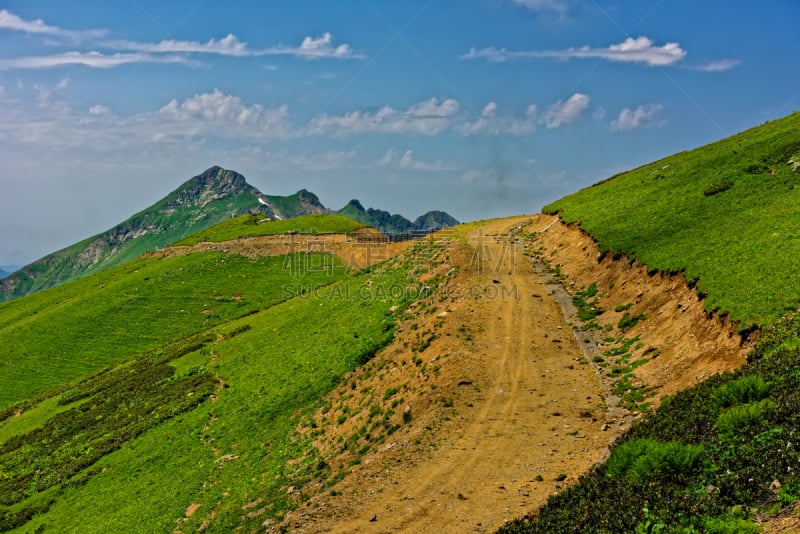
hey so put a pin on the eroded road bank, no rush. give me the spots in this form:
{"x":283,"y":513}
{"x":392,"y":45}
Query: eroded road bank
{"x":528,"y":411}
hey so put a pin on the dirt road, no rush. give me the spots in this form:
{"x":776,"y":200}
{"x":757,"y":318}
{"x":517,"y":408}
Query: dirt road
{"x":533,"y":428}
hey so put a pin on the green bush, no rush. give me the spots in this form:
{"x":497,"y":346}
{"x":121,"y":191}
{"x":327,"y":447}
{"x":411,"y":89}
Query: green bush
{"x":741,"y":416}
{"x":742,"y":390}
{"x":641,"y":459}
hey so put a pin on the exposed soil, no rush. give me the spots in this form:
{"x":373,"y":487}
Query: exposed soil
{"x":496,"y":394}
{"x":530,"y":409}
{"x":512,"y":413}
{"x":690,"y":344}
{"x":355,"y":253}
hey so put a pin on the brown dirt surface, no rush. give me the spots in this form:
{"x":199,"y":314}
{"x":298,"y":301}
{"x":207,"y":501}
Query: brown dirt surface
{"x":504,"y":408}
{"x":787,"y":520}
{"x":684,"y":343}
{"x":356,"y":252}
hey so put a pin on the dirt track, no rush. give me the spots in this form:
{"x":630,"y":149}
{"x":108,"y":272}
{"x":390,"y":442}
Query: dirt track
{"x":537,"y":414}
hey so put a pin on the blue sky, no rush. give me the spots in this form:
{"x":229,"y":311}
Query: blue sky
{"x":481,"y":108}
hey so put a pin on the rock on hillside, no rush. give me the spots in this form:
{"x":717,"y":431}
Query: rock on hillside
{"x":202,"y":201}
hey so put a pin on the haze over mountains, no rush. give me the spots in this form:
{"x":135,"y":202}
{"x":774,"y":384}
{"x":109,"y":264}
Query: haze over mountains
{"x":199,"y":203}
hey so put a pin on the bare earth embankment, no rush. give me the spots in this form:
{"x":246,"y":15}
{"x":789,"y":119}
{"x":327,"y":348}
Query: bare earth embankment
{"x":504,"y":405}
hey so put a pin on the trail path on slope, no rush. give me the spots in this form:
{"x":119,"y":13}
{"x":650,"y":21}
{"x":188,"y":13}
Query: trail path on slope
{"x":540,"y":416}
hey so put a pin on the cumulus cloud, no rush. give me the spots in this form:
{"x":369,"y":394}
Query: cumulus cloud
{"x":10,"y":21}
{"x":427,"y":118}
{"x":565,"y":112}
{"x":406,"y":160}
{"x":639,"y":50}
{"x":644,"y":116}
{"x":95,"y":60}
{"x":216,"y":109}
{"x":322,"y":47}
{"x":490,"y":123}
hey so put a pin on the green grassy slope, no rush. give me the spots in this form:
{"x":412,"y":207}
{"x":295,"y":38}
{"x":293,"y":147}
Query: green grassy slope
{"x":303,"y":202}
{"x":726,"y":214}
{"x":148,"y":444}
{"x":249,"y":226}
{"x":180,"y":381}
{"x":57,"y":335}
{"x":202,"y":201}
{"x":712,"y":457}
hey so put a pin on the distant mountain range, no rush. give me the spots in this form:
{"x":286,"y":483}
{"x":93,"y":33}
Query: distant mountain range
{"x":397,"y":224}
{"x":4,"y":273}
{"x":199,"y":203}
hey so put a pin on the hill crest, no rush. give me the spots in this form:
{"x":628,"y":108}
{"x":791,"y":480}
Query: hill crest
{"x":202,"y":201}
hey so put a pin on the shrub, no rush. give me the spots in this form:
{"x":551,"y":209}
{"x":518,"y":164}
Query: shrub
{"x":640,"y":459}
{"x":741,"y":416}
{"x":742,"y":390}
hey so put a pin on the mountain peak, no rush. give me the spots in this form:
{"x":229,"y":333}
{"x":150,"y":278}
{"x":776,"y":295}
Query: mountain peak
{"x":356,"y":204}
{"x":214,"y":183}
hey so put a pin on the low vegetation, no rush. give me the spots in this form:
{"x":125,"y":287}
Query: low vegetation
{"x":197,"y":429}
{"x":57,"y":335}
{"x":724,"y":214}
{"x":715,"y":456}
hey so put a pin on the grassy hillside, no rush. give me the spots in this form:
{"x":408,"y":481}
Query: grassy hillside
{"x":714,"y":456}
{"x":726,"y":214}
{"x":202,"y":201}
{"x":170,"y":389}
{"x":133,"y":439}
{"x":249,"y":226}
{"x":303,"y":202}
{"x":57,"y":335}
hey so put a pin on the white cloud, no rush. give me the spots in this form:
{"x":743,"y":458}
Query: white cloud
{"x":10,"y":21}
{"x":565,"y":112}
{"x":426,"y":118}
{"x":174,"y":51}
{"x":95,"y":60}
{"x":645,"y":116}
{"x":639,"y":50}
{"x":406,"y":160}
{"x":322,"y":47}
{"x":226,"y":46}
{"x":489,"y":123}
{"x":718,"y":65}
{"x":230,"y":45}
{"x":210,"y":111}
{"x":99,"y":109}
